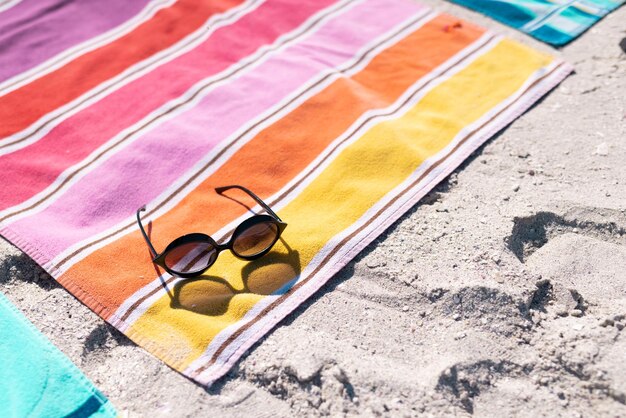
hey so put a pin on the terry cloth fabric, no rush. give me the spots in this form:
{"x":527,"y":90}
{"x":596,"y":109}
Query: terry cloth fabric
{"x":556,"y":22}
{"x":37,"y":379}
{"x":53,"y":31}
{"x":340,"y":114}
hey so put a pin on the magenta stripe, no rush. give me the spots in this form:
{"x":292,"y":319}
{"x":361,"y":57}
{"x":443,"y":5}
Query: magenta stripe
{"x":34,"y":31}
{"x":140,"y":172}
{"x":32,"y":169}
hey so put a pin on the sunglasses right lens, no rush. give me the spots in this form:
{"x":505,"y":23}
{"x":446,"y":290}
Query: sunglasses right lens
{"x":191,"y":257}
{"x":255,"y":239}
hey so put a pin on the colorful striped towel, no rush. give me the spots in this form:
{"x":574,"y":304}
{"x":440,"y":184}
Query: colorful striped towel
{"x":556,"y":22}
{"x":37,"y":379}
{"x":341,"y":114}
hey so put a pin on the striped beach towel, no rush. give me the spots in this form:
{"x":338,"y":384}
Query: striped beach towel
{"x":556,"y":22}
{"x":340,"y":114}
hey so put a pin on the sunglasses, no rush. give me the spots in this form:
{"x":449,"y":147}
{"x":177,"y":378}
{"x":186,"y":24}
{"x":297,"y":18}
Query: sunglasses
{"x":192,"y":254}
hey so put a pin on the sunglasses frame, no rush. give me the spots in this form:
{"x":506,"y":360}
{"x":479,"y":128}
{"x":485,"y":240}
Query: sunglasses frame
{"x":159,"y":258}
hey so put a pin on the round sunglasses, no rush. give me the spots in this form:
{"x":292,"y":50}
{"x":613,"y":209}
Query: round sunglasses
{"x":192,"y":254}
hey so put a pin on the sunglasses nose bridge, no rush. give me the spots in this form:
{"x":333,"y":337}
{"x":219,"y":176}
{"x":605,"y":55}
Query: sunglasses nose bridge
{"x":222,"y":247}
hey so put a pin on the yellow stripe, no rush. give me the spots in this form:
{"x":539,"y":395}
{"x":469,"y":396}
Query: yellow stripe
{"x":359,"y":177}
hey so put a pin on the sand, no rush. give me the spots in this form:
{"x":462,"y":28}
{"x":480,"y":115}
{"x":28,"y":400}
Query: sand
{"x":502,"y":293}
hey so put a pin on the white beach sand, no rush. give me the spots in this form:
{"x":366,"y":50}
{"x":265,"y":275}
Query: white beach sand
{"x":503,"y":293}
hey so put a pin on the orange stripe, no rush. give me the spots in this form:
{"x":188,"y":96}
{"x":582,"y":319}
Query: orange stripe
{"x":272,"y":158}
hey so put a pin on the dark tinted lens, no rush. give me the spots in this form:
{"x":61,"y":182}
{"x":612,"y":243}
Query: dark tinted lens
{"x":190,"y":258}
{"x":255,"y":239}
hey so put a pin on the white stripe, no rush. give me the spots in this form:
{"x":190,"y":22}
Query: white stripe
{"x":183,"y":262}
{"x":541,"y":20}
{"x":43,"y":126}
{"x":267,"y":118}
{"x":8,"y":5}
{"x":157,"y":282}
{"x":591,"y":8}
{"x":371,"y":230}
{"x":45,"y":198}
{"x":72,"y":53}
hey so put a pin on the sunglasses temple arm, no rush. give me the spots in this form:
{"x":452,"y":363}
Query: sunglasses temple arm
{"x":252,"y":195}
{"x":143,"y":232}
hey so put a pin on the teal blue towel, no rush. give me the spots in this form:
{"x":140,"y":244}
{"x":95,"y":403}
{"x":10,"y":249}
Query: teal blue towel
{"x":37,"y":380}
{"x":556,"y":22}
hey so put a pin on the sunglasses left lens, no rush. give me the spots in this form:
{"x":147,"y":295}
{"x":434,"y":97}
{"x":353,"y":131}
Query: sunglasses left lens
{"x":191,"y":257}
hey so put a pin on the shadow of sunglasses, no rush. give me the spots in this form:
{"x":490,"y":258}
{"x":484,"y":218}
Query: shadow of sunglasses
{"x":211,"y":295}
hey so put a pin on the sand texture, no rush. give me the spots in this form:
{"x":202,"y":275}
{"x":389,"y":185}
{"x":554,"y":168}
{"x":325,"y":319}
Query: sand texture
{"x":503,"y":293}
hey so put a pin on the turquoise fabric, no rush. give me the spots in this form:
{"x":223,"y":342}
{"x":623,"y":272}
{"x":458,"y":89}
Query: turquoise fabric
{"x":556,"y":22}
{"x":37,"y":380}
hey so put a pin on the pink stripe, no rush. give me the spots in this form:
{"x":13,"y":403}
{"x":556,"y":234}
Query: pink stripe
{"x":112,"y":192}
{"x":30,"y":170}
